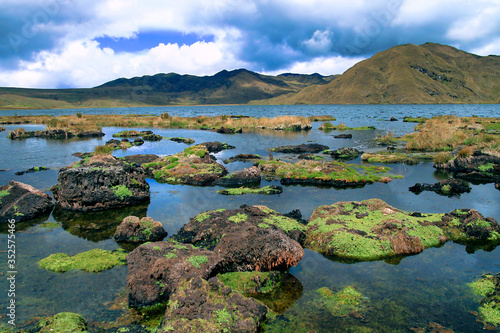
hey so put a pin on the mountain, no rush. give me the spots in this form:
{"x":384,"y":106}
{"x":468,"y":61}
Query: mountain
{"x":226,"y":87}
{"x":407,"y":74}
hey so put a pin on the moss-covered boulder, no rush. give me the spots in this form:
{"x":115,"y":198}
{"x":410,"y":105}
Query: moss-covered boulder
{"x":344,"y":153}
{"x":299,"y":149}
{"x":216,"y":146}
{"x":247,"y":176}
{"x":252,"y":282}
{"x":92,"y":261}
{"x":193,"y":166}
{"x":481,"y":166}
{"x":268,"y":190}
{"x":243,"y":158}
{"x":182,"y":140}
{"x":62,"y":322}
{"x":135,"y":230}
{"x":488,"y":288}
{"x":55,"y":133}
{"x":319,"y":173}
{"x":371,"y":230}
{"x":448,"y":187}
{"x":210,"y":306}
{"x":100,"y":182}
{"x":155,"y":270}
{"x":22,"y":202}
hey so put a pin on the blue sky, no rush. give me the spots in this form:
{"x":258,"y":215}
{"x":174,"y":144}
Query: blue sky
{"x":84,"y":43}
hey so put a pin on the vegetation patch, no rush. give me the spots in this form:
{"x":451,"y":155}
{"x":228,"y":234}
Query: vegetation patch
{"x":488,"y":288}
{"x":252,"y":282}
{"x":62,"y":323}
{"x":268,"y":190}
{"x":343,"y":302}
{"x":122,"y":191}
{"x":240,"y":217}
{"x":389,"y":158}
{"x":197,"y":261}
{"x":93,"y":261}
{"x":342,"y":127}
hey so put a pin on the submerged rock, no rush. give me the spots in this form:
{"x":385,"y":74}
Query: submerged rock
{"x":93,"y":261}
{"x":342,"y":303}
{"x":193,"y":166}
{"x":245,"y":177}
{"x":343,"y":136}
{"x":343,"y":153}
{"x":61,"y":323}
{"x":100,"y":183}
{"x":488,"y":287}
{"x":372,"y":230}
{"x":156,"y":269}
{"x":445,"y":187}
{"x":302,"y":148}
{"x":23,"y":202}
{"x":136,"y":230}
{"x":210,"y":306}
{"x":32,"y":170}
{"x":432,"y":328}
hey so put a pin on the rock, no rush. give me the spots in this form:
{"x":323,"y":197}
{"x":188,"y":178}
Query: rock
{"x":182,"y":140}
{"x":344,"y":153}
{"x":268,"y":190}
{"x":245,"y":177}
{"x":193,"y":166}
{"x":136,"y":230}
{"x":156,"y":269}
{"x":21,"y":133}
{"x":343,"y":136}
{"x":208,"y":228}
{"x":23,"y":202}
{"x":140,"y":159}
{"x":302,"y":148}
{"x":103,"y":182}
{"x":294,"y":127}
{"x":372,"y":230}
{"x":216,"y":146}
{"x":151,"y":137}
{"x":448,"y":187}
{"x":488,"y":288}
{"x":479,"y":166}
{"x":32,"y":170}
{"x":210,"y":306}
{"x":2,"y":128}
{"x":128,"y":134}
{"x":82,"y":155}
{"x":62,"y":322}
{"x":242,"y":158}
{"x":497,"y":186}
{"x":114,"y":143}
{"x":310,"y":157}
{"x":229,"y":130}
{"x":138,"y":142}
{"x":393,"y":119}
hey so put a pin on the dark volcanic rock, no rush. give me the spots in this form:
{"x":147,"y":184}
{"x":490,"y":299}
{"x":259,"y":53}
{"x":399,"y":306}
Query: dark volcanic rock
{"x":446,"y":187}
{"x":242,"y":158}
{"x":216,"y":146}
{"x":21,"y":133}
{"x":472,"y":226}
{"x":156,"y":269}
{"x":229,"y":130}
{"x":344,"y":153}
{"x":249,"y":238}
{"x":151,"y":137}
{"x":211,"y":307}
{"x":479,"y":166}
{"x":22,"y":202}
{"x":32,"y":170}
{"x":101,"y":183}
{"x":239,"y":178}
{"x":343,"y":136}
{"x":136,"y":230}
{"x":138,"y":142}
{"x":182,"y":140}
{"x":141,"y":158}
{"x":302,"y":148}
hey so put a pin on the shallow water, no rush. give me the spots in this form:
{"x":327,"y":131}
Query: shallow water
{"x":429,"y":287}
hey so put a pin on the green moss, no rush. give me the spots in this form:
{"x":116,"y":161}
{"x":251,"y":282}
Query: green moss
{"x":50,"y":225}
{"x":202,"y":217}
{"x":122,"y":191}
{"x":252,"y":282}
{"x":284,"y":223}
{"x":490,"y":312}
{"x":483,"y":287}
{"x":268,"y":190}
{"x":63,"y":322}
{"x":486,"y":167}
{"x":388,"y":158}
{"x":157,"y":248}
{"x":240,"y":217}
{"x":171,"y":255}
{"x":342,"y":302}
{"x":94,"y":261}
{"x":196,"y":261}
{"x":4,"y":193}
{"x":223,"y":317}
{"x":415,"y":119}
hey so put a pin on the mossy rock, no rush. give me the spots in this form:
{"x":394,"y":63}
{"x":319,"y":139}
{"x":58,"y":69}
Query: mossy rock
{"x":93,"y":261}
{"x":252,"y":282}
{"x":488,"y":288}
{"x":268,"y":190}
{"x":63,"y":322}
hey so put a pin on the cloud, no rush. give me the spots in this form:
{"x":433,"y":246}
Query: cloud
{"x":49,"y":39}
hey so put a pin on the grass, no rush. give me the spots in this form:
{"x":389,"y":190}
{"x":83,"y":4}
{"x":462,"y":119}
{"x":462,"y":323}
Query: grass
{"x":389,"y":158}
{"x":93,"y":261}
{"x":103,"y":150}
{"x":387,"y":139}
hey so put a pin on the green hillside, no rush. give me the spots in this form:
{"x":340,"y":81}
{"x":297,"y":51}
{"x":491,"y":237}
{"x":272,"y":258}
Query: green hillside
{"x":226,"y":87}
{"x":420,"y":74}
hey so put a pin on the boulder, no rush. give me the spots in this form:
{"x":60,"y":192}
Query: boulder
{"x":229,"y":130}
{"x":393,"y":119}
{"x":182,"y":140}
{"x":100,"y":183}
{"x":151,"y":137}
{"x":343,"y":153}
{"x":138,"y":142}
{"x":21,"y":133}
{"x":23,"y":202}
{"x":302,"y":148}
{"x":210,"y":306}
{"x":448,"y":187}
{"x":310,"y":157}
{"x":32,"y":170}
{"x":480,"y":166}
{"x":240,"y":178}
{"x":243,"y":158}
{"x":139,"y":159}
{"x":135,"y":230}
{"x":216,"y":146}
{"x":343,"y":136}
{"x":156,"y":269}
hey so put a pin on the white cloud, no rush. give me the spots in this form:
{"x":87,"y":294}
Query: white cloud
{"x":321,"y":65}
{"x":319,"y":42}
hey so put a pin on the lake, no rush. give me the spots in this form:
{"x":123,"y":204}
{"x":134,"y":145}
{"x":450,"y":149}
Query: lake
{"x":399,"y":295}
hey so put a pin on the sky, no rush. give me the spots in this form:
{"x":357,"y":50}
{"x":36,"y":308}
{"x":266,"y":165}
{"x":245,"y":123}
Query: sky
{"x":85,"y":43}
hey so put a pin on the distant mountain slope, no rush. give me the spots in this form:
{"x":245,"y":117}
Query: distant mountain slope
{"x":424,"y":74}
{"x":226,"y":87}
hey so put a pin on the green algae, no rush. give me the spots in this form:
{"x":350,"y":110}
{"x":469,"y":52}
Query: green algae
{"x":63,"y":322}
{"x":341,"y":303}
{"x":50,"y":225}
{"x":92,"y":261}
{"x":484,"y":286}
{"x":488,"y":288}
